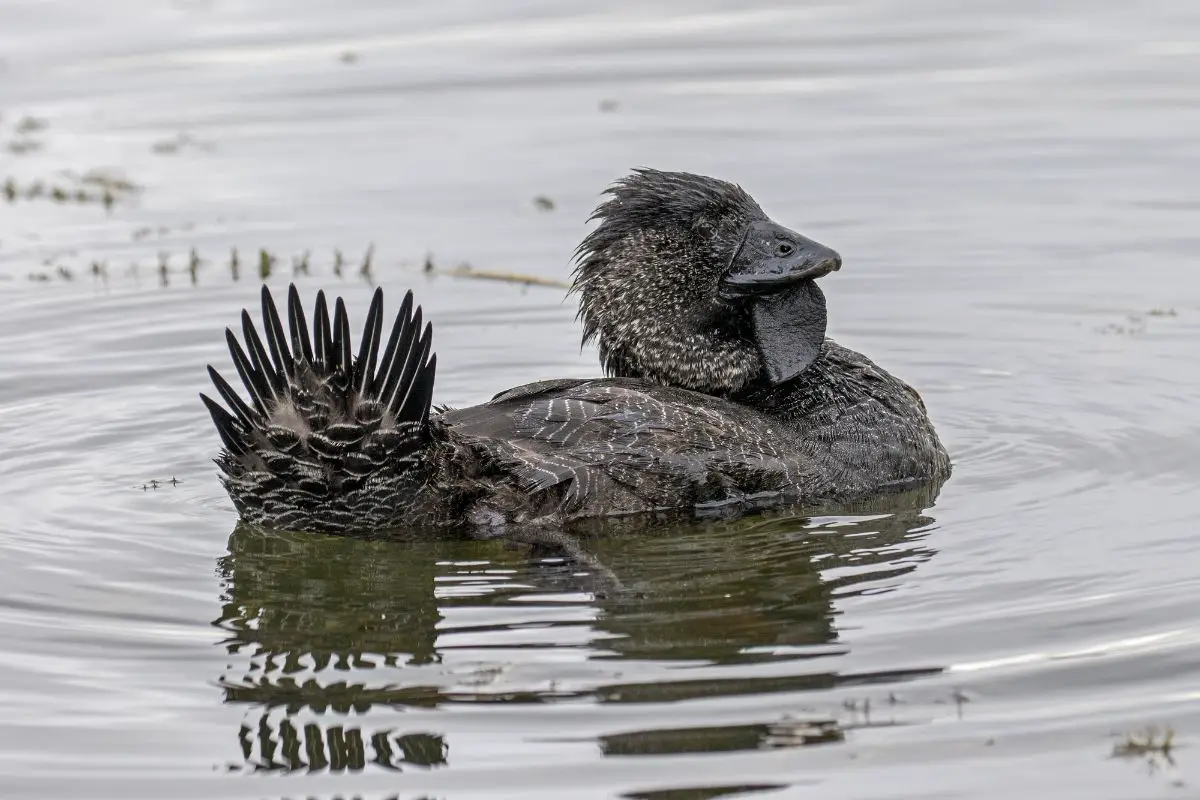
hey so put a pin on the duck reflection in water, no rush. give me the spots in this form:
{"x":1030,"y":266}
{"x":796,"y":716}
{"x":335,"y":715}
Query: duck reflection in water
{"x":321,"y":630}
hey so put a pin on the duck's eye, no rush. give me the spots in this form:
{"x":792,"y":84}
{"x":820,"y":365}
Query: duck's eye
{"x":784,"y":249}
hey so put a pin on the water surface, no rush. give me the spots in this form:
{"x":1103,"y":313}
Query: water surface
{"x":1013,"y":189}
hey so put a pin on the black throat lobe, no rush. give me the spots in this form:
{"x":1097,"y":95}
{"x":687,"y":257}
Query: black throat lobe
{"x":789,"y":328}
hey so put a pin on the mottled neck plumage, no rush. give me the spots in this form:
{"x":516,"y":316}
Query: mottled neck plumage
{"x":648,"y":278}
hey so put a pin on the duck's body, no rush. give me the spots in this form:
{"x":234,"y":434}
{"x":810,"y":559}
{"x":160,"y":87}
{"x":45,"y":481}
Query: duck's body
{"x":338,"y":444}
{"x":553,"y":452}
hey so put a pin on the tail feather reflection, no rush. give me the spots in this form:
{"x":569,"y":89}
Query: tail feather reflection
{"x":328,"y":632}
{"x":282,"y":746}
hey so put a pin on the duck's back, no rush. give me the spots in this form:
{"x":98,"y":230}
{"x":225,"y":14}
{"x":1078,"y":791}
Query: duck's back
{"x":863,"y":429}
{"x":589,"y":448}
{"x":586,"y":448}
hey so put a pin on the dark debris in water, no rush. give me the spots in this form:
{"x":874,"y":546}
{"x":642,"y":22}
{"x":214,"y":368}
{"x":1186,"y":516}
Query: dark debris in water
{"x":467,"y":270}
{"x":180,"y":142}
{"x":705,"y":792}
{"x":145,"y":231}
{"x":20,"y":147}
{"x":158,"y":483}
{"x":25,"y":136}
{"x":799,"y":732}
{"x":31,"y":124}
{"x":1149,"y":742}
{"x":1137,"y":324}
{"x":804,"y":728}
{"x":109,"y":181}
{"x":1153,"y":746}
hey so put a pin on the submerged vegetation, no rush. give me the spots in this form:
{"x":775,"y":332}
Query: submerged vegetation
{"x":1151,"y":743}
{"x":1154,"y":748}
{"x":110,"y":189}
{"x":98,"y":186}
{"x":94,"y":187}
{"x":260,"y":265}
{"x":178,"y":143}
{"x":1136,"y":324}
{"x":25,"y":139}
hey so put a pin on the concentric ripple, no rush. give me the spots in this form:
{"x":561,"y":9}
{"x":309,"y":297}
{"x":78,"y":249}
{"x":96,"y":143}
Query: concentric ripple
{"x":1012,"y":188}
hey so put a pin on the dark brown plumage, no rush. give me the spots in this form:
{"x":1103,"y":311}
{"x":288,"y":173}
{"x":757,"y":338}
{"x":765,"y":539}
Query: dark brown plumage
{"x":723,"y":391}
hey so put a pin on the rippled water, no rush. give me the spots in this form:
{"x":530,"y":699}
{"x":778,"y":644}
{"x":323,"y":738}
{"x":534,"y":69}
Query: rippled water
{"x":1013,"y":187}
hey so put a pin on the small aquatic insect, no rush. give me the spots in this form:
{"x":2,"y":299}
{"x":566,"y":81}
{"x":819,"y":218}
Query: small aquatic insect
{"x":722,"y":390}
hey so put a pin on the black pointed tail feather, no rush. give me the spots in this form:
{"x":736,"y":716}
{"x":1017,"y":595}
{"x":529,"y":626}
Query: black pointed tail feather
{"x":328,"y":441}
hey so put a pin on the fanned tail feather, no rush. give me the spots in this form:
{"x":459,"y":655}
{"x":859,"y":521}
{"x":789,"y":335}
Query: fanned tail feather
{"x":328,"y":441}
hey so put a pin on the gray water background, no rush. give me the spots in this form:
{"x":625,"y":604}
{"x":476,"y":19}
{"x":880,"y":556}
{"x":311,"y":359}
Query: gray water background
{"x":1013,"y":187}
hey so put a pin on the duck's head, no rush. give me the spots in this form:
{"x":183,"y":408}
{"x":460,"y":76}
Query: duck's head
{"x":687,"y":282}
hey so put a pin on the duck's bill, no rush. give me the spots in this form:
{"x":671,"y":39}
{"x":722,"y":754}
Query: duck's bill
{"x":772,"y":258}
